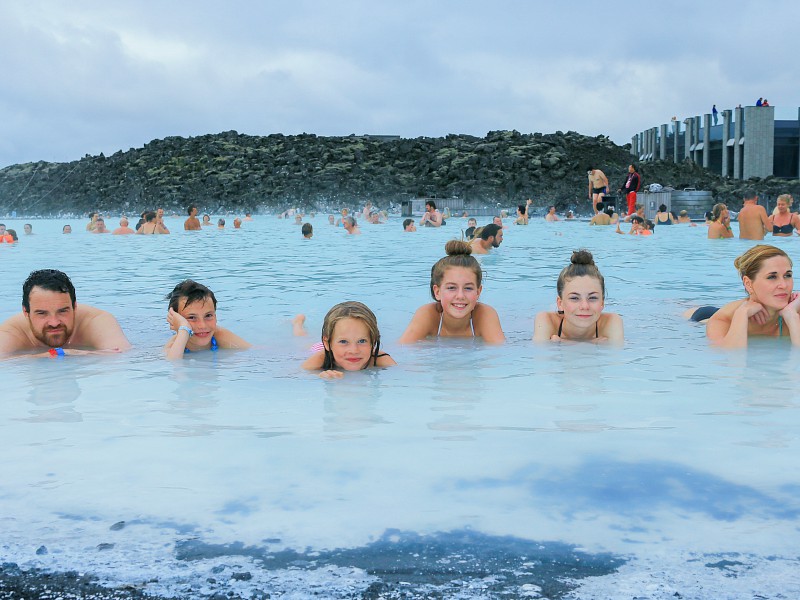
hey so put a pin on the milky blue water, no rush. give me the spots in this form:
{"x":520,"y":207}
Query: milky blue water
{"x":525,"y":470}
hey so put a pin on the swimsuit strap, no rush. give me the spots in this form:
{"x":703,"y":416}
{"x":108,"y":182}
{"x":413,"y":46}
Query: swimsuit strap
{"x":780,"y":326}
{"x":213,"y":346}
{"x":441,"y":321}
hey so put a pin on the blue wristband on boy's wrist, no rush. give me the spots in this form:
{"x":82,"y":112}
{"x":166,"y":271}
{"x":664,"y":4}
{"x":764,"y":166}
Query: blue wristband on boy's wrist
{"x":186,"y":329}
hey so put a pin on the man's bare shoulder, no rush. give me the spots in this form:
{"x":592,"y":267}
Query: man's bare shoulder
{"x":97,"y":329}
{"x":12,"y":335}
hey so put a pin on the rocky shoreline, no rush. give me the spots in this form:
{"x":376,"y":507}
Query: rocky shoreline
{"x":19,"y":583}
{"x":236,"y":172}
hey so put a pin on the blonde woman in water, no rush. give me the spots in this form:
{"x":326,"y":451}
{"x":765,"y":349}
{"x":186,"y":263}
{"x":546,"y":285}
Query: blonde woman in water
{"x":771,"y":307}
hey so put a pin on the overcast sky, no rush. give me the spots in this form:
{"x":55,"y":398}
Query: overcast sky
{"x":84,"y":77}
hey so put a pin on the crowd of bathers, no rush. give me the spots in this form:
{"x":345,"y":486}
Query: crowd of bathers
{"x":52,"y":324}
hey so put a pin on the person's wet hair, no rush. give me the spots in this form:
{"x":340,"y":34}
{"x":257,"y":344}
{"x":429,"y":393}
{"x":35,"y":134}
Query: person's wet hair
{"x":489,"y":230}
{"x":581,"y":265}
{"x":192,"y":292}
{"x":306,"y":229}
{"x":662,"y":208}
{"x":407,"y":222}
{"x":190,"y":209}
{"x":716,"y":211}
{"x":51,"y":280}
{"x":149,"y":216}
{"x":750,"y":263}
{"x":430,"y":203}
{"x":350,"y":310}
{"x":459,"y":254}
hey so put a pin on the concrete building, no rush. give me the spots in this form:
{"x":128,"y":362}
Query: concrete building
{"x":748,"y":142}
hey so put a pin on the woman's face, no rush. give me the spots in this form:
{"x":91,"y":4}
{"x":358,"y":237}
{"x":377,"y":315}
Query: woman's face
{"x":350,"y":344}
{"x":458,"y":293}
{"x":783,"y":207}
{"x":202,"y":317}
{"x":582,"y":301}
{"x":772,"y":286}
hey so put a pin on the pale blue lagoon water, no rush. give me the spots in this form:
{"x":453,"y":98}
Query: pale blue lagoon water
{"x":659,"y":468}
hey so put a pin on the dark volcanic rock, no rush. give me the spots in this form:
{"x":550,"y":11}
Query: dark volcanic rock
{"x":241,"y":172}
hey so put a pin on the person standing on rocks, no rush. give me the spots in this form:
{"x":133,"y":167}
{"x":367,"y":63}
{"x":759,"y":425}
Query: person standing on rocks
{"x":598,"y":187}
{"x":630,"y":187}
{"x":753,"y":220}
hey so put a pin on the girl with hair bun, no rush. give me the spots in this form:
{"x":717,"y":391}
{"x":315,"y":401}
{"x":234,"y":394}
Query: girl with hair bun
{"x":771,"y":307}
{"x":455,"y":312}
{"x":580,"y":301}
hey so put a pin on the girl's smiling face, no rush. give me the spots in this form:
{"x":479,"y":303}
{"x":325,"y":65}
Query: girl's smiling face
{"x":202,"y":318}
{"x":458,"y":293}
{"x":581,"y":301}
{"x":350,"y":344}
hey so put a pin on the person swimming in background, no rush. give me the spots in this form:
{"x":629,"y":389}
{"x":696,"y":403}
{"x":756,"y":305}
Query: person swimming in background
{"x":206,"y":221}
{"x":580,"y":300}
{"x":601,"y":217}
{"x":522,"y":215}
{"x":663,"y":216}
{"x":469,"y":233}
{"x":770,"y":309}
{"x":719,"y":226}
{"x":92,"y":221}
{"x":456,"y":288}
{"x":783,"y":222}
{"x":307,"y":230}
{"x":639,"y":226}
{"x":351,"y":341}
{"x":340,"y":222}
{"x":192,"y":315}
{"x":150,"y":225}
